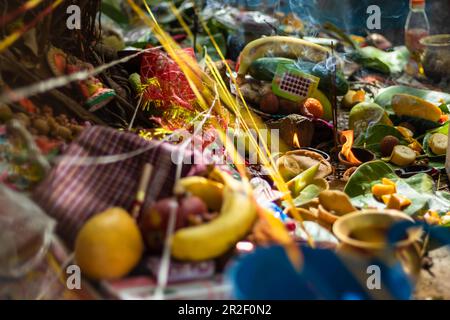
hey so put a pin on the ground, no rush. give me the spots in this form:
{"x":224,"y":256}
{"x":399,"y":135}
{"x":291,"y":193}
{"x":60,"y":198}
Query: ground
{"x":437,"y":286}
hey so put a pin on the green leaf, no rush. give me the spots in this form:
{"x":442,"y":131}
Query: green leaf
{"x":442,"y":129}
{"x":444,"y":108}
{"x":379,"y":60}
{"x":372,"y":137}
{"x":419,"y":189}
{"x":366,"y":175}
{"x":112,"y":9}
{"x":370,"y":62}
{"x":426,"y":145}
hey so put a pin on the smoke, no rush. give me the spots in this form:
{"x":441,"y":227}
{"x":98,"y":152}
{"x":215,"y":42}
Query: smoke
{"x":305,"y":13}
{"x":331,"y":63}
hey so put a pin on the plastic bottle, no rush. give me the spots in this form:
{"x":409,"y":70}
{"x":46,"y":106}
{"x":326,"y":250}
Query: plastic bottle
{"x":416,"y":28}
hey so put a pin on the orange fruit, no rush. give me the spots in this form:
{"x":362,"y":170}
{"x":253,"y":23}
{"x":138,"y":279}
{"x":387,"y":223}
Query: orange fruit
{"x":109,"y":245}
{"x":314,"y":107}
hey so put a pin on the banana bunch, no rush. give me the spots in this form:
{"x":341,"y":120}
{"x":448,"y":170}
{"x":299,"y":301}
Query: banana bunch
{"x":279,"y":46}
{"x":236,"y":218}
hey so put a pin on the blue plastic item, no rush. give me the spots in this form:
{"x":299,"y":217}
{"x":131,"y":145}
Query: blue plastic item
{"x":267,"y":274}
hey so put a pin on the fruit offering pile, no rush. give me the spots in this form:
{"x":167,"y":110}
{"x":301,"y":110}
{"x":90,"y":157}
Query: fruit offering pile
{"x":231,"y":156}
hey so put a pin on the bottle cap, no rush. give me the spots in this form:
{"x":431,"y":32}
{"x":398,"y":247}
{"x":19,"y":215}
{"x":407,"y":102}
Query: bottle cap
{"x":417,"y":3}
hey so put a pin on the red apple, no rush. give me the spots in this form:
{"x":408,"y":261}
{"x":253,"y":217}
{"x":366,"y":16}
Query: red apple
{"x":155,"y":219}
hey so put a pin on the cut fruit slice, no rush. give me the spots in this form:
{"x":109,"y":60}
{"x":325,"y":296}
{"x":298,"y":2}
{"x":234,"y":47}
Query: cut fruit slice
{"x":438,"y":143}
{"x":398,"y":202}
{"x":303,"y":179}
{"x":388,"y":182}
{"x":403,"y":156}
{"x":408,"y":105}
{"x":380,"y":190}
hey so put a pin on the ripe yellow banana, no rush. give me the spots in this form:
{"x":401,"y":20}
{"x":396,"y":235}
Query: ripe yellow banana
{"x":211,"y":192}
{"x":210,"y":240}
{"x":279,"y":46}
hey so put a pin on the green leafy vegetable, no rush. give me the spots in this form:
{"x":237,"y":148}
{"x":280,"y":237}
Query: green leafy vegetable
{"x":371,"y":57}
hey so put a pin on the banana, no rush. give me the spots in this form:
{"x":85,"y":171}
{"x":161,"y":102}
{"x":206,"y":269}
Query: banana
{"x":438,"y":143}
{"x":278,"y":46}
{"x":402,"y":155}
{"x":210,"y":240}
{"x":211,"y":192}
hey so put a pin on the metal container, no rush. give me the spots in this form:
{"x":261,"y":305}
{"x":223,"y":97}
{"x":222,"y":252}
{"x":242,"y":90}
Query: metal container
{"x":436,"y":56}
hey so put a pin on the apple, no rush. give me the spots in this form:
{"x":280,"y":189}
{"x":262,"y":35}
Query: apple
{"x":155,"y":219}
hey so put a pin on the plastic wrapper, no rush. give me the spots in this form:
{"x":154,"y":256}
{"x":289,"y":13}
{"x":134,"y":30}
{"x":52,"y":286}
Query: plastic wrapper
{"x":25,"y":234}
{"x":32,"y":259}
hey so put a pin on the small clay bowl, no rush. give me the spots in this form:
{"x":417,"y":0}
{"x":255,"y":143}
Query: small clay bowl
{"x":348,"y":173}
{"x":361,"y":154}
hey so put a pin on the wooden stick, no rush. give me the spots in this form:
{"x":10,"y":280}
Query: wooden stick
{"x":142,"y":190}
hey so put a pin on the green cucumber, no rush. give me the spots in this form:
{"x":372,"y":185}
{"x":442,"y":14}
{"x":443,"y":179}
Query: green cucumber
{"x":264,"y":69}
{"x":326,"y":79}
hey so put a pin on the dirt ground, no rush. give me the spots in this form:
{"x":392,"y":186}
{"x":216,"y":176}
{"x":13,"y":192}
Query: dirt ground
{"x":437,"y":284}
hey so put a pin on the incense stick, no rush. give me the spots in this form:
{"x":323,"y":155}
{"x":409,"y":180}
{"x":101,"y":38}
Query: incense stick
{"x":334,"y":107}
{"x":201,"y":84}
{"x":140,"y":195}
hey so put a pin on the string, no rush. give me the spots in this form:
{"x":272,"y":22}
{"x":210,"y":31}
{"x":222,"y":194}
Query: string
{"x":164,"y":267}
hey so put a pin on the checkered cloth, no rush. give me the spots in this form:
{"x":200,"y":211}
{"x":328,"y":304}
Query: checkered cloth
{"x":72,"y":193}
